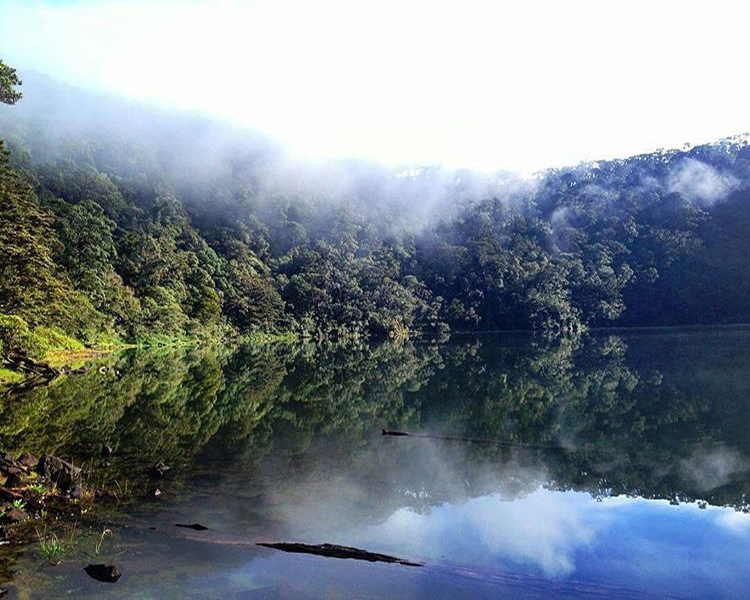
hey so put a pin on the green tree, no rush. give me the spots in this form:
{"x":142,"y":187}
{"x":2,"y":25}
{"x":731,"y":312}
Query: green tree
{"x":8,"y":80}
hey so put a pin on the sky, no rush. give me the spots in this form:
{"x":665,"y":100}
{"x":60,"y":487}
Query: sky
{"x":515,"y":86}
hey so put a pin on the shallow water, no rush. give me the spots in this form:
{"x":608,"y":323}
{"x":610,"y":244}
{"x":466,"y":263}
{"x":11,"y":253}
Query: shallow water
{"x":622,"y":468}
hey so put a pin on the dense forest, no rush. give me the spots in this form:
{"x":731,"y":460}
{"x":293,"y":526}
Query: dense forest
{"x":124,"y":222}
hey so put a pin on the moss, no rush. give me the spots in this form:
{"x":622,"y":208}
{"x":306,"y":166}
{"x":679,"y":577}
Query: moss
{"x":7,"y":377}
{"x":57,"y":341}
{"x":40,"y":344}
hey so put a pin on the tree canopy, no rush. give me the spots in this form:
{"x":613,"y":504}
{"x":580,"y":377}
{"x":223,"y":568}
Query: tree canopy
{"x":133,"y":224}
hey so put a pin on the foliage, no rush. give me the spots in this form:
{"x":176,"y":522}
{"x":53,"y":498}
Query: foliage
{"x":107,"y":233}
{"x":52,"y":547}
{"x":17,"y":339}
{"x":8,"y":80}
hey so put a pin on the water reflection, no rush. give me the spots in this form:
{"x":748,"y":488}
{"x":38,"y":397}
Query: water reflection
{"x":610,"y":442}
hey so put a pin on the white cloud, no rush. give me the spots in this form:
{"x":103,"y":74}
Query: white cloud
{"x":484,"y":84}
{"x":735,"y":521}
{"x":543,"y":529}
{"x":700,"y":183}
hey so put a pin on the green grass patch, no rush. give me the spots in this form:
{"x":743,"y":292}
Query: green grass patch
{"x":8,"y":377}
{"x":37,"y":343}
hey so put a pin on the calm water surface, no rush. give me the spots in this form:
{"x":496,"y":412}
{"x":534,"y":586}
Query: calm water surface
{"x":623,"y":468}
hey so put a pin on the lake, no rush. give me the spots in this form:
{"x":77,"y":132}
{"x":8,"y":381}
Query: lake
{"x":616,"y":465}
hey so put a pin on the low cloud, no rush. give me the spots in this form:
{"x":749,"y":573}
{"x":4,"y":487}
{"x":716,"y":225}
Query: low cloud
{"x":700,"y":183}
{"x":709,"y":468}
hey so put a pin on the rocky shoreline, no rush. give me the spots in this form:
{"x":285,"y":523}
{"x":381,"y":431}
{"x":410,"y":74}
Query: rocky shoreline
{"x":51,"y":502}
{"x":37,"y":490}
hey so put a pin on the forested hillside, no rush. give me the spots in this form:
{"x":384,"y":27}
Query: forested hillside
{"x":122,"y":221}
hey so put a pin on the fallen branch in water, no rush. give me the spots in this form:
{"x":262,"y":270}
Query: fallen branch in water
{"x":334,"y":551}
{"x":196,"y":526}
{"x":471,"y":440}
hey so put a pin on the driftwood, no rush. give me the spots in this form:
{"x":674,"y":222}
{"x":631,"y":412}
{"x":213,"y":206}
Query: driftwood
{"x":9,"y":494}
{"x":335,"y":551}
{"x":26,"y":365}
{"x":195,"y":526}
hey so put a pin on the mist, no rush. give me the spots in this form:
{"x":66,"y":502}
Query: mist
{"x":518,"y":87}
{"x":417,"y":245}
{"x":197,"y":153}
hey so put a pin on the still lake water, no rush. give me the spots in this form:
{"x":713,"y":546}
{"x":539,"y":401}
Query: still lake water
{"x":624,"y":468}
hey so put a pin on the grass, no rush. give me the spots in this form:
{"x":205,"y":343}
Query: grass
{"x":100,"y":541}
{"x":18,"y":504}
{"x":8,"y":377}
{"x":37,"y":489}
{"x":123,"y":489}
{"x":52,"y":547}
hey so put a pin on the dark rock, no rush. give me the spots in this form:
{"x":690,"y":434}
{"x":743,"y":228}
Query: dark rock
{"x":155,"y":492}
{"x":14,"y":515}
{"x":107,"y":451}
{"x":28,"y":460}
{"x":160,"y":469}
{"x":105,"y":573}
{"x":7,"y":463}
{"x":14,"y":480}
{"x":63,"y":473}
{"x":196,"y":526}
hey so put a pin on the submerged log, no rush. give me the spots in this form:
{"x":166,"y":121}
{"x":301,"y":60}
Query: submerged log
{"x":391,"y":432}
{"x":195,"y":526}
{"x":26,"y":365}
{"x":335,"y":551}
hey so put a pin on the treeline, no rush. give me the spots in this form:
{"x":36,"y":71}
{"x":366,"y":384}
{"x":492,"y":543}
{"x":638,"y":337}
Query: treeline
{"x":120,"y":221}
